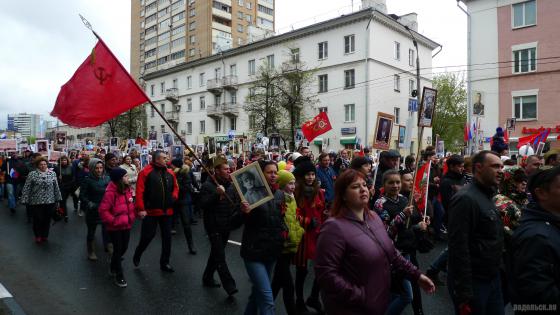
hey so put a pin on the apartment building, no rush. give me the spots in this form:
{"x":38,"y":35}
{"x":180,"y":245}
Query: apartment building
{"x":363,"y":63}
{"x":515,"y":66}
{"x":28,"y":125}
{"x":165,"y":33}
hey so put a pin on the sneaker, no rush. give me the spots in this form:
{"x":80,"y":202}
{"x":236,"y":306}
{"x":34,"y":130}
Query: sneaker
{"x":80,"y":213}
{"x":120,"y":282}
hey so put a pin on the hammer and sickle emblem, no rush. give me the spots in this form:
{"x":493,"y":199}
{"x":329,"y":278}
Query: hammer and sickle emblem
{"x":101,"y":75}
{"x":321,"y":124}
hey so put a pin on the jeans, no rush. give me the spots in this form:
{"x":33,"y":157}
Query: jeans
{"x":440,"y":264}
{"x":487,"y":296}
{"x":11,"y":190}
{"x":261,"y":300}
{"x":149,"y":227}
{"x":217,"y":261}
{"x":283,"y":279}
{"x":92,"y":227}
{"x":42,"y":215}
{"x":120,"y":244}
{"x":401,"y":301}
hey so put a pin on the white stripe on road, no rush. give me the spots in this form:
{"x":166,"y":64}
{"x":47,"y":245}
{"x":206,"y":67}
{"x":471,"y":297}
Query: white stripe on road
{"x":234,"y":242}
{"x":4,"y":293}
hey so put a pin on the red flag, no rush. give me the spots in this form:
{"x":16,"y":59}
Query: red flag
{"x":421,"y":186}
{"x":466,"y":133}
{"x":527,"y":140}
{"x":99,"y":90}
{"x":141,"y":141}
{"x":506,"y":135}
{"x":316,"y":126}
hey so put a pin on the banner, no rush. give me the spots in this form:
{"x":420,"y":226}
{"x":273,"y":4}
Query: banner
{"x":316,"y":126}
{"x":421,"y":187}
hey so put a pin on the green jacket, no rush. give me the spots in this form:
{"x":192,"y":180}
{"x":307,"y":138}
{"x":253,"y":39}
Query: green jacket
{"x":295,"y":230}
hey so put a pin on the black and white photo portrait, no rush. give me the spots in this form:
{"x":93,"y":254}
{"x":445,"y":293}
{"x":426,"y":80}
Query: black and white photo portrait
{"x":251,"y":185}
{"x":383,"y":130}
{"x":427,"y":107}
{"x":167,"y":140}
{"x":478,"y":106}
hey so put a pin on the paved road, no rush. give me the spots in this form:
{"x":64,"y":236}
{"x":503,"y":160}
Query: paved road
{"x":56,"y":278}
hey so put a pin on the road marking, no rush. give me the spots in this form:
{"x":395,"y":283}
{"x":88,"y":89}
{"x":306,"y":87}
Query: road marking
{"x":4,"y":293}
{"x":234,"y":242}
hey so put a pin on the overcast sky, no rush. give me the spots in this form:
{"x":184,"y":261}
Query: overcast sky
{"x":43,"y":42}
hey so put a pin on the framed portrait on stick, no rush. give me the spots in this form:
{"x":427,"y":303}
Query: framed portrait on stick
{"x":402,"y":136}
{"x":427,"y":107}
{"x":383,"y":130}
{"x":60,"y":140}
{"x":42,"y":147}
{"x":251,"y":185}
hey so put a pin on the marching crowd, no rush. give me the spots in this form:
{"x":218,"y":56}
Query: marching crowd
{"x":355,"y":220}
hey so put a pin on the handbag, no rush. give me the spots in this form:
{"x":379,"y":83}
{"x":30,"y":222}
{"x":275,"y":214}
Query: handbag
{"x":58,"y":214}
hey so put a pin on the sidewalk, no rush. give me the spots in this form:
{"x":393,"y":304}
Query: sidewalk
{"x":8,"y":304}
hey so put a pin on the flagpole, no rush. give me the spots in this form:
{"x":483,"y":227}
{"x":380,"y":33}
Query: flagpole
{"x":411,"y":195}
{"x":88,"y":25}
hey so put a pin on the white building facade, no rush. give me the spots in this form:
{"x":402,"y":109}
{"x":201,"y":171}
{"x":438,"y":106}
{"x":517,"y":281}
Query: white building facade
{"x":28,"y":125}
{"x":363,"y":63}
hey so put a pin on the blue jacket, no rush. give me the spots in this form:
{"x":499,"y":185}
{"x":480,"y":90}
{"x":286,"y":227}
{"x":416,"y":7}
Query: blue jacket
{"x":327,"y":177}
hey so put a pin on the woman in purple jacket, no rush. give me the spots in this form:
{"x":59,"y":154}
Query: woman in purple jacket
{"x":355,"y":256}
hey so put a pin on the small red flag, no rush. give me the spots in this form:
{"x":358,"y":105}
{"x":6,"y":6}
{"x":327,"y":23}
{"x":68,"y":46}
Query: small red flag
{"x":141,"y":141}
{"x":527,"y":140}
{"x":421,"y":186}
{"x":99,"y":90}
{"x":316,"y":126}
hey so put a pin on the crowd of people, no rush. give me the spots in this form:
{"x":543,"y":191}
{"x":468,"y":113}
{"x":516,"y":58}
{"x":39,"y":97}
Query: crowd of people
{"x":351,"y":217}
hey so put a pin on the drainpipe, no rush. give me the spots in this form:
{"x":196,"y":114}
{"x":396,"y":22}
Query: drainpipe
{"x":366,"y":62}
{"x":471,"y":147}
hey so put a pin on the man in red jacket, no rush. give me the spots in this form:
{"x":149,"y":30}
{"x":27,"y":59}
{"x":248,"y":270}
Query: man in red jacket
{"x":156,"y":191}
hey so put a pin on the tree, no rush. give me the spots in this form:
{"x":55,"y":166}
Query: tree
{"x":451,"y":110}
{"x":128,"y":125}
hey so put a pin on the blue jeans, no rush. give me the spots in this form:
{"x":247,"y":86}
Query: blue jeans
{"x":440,"y":264}
{"x":401,"y":301}
{"x":11,"y":189}
{"x":487,"y":296}
{"x":261,"y":300}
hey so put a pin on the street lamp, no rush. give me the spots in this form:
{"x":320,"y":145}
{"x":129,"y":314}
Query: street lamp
{"x":411,"y":113}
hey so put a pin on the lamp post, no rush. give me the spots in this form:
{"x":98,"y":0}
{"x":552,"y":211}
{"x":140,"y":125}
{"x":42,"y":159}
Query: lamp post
{"x":471,"y":147}
{"x":411,"y":113}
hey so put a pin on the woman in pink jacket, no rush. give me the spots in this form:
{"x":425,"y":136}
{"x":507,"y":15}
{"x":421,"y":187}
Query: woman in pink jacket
{"x":117,"y":213}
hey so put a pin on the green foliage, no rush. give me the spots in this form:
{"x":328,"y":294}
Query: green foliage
{"x":451,"y":110}
{"x":128,"y":125}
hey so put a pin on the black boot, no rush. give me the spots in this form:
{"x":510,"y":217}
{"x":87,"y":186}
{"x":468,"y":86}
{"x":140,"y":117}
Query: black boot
{"x":301,"y":273}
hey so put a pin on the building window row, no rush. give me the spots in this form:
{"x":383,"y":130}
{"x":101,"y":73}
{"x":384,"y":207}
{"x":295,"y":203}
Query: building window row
{"x":265,"y":10}
{"x":524,"y":14}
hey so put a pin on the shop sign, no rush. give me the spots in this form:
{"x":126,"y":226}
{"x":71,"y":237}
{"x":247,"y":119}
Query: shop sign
{"x":530,"y":131}
{"x":348,"y":131}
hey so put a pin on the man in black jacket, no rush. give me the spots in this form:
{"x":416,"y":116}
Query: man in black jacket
{"x":476,"y":241}
{"x":535,"y":259}
{"x":217,"y":214}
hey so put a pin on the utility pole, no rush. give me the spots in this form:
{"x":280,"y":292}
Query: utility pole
{"x":411,"y":113}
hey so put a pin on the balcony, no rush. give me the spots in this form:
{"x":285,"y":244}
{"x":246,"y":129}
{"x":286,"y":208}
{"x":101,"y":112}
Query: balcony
{"x":214,"y":111}
{"x":290,"y":66}
{"x":221,"y":13}
{"x":230,"y":82}
{"x":172,"y":95}
{"x":214,"y":86}
{"x":172,"y":116}
{"x":231,"y":109}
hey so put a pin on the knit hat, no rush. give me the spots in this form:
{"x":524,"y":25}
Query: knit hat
{"x":177,"y":162}
{"x":117,"y":173}
{"x":304,"y":166}
{"x":284,"y":177}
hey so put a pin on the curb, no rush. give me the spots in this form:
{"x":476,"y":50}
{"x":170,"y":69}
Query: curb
{"x":8,"y":304}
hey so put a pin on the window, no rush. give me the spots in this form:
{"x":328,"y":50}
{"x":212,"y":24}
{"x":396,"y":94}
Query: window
{"x":191,"y":2}
{"x":249,"y":6}
{"x":323,"y":110}
{"x":411,"y":86}
{"x":189,"y":104}
{"x":525,"y":107}
{"x":175,"y":83}
{"x":217,"y":100}
{"x":163,"y":36}
{"x":217,"y":73}
{"x":397,"y":51}
{"x":270,"y":62}
{"x":349,"y":44}
{"x":152,"y":111}
{"x":349,"y":113}
{"x":411,"y":57}
{"x":192,"y":26}
{"x":240,"y":2}
{"x":178,"y":30}
{"x":265,"y":22}
{"x":189,"y":127}
{"x":162,"y":87}
{"x":164,"y":24}
{"x":150,"y":18}
{"x":202,"y":126}
{"x":162,"y":127}
{"x":233,"y":69}
{"x":150,"y":30}
{"x":201,"y":80}
{"x":163,"y":12}
{"x":192,"y":12}
{"x":149,"y":65}
{"x":189,"y":82}
{"x":323,"y":50}
{"x":217,"y":125}
{"x":524,"y":60}
{"x":349,"y":79}
{"x":265,"y":10}
{"x":252,"y":92}
{"x":295,"y":55}
{"x":150,"y":41}
{"x":178,"y":17}
{"x":152,"y":89}
{"x":202,"y":102}
{"x":192,"y":52}
{"x":192,"y":39}
{"x":162,"y":60}
{"x":179,"y":42}
{"x":240,"y":28}
{"x":251,"y":66}
{"x":178,"y":55}
{"x":323,"y":83}
{"x":397,"y":113}
{"x":397,"y":83}
{"x":233,"y":123}
{"x":233,"y":96}
{"x":162,"y":108}
{"x":249,"y":18}
{"x":252,"y":122}
{"x":163,"y":49}
{"x":524,"y":14}
{"x":177,"y":4}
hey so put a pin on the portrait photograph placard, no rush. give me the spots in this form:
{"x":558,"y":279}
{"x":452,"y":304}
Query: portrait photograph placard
{"x":383,"y":130}
{"x":177,"y":151}
{"x":167,"y":140}
{"x":114,"y":143}
{"x":251,"y":185}
{"x":42,"y":147}
{"x":152,"y":135}
{"x":144,"y":160}
{"x":60,"y":139}
{"x":427,"y":107}
{"x":402,"y":136}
